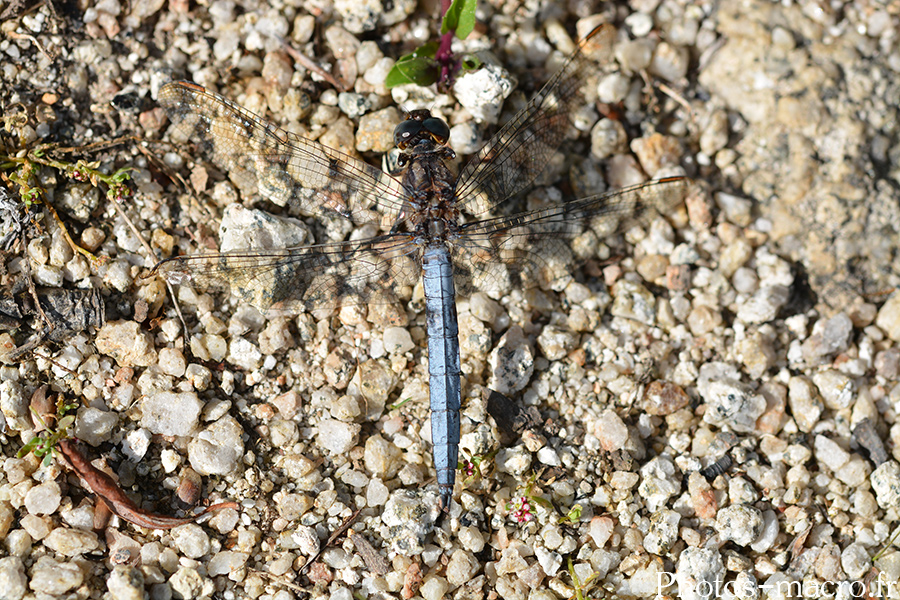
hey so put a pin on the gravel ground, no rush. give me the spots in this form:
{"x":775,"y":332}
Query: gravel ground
{"x":710,"y":403}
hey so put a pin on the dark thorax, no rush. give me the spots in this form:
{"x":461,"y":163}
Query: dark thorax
{"x":422,"y":139}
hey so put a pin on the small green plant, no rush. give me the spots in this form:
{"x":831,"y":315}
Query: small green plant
{"x":582,"y":588}
{"x":472,"y":467}
{"x":573,"y":516}
{"x":399,"y":403}
{"x":22,"y":173}
{"x":434,"y":61}
{"x":43,"y":445}
{"x":20,"y":165}
{"x":520,"y":509}
{"x":520,"y":506}
{"x":887,"y":545}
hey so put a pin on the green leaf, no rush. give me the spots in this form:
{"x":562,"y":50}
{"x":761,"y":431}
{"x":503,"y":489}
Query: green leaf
{"x":573,"y":515}
{"x":470,"y":62}
{"x":418,"y":67}
{"x":400,"y":403}
{"x":121,"y":175}
{"x":31,"y":445}
{"x":460,"y":18}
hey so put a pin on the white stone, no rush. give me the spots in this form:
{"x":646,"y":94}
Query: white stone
{"x":170,"y":413}
{"x":337,"y":437}
{"x":218,"y":449}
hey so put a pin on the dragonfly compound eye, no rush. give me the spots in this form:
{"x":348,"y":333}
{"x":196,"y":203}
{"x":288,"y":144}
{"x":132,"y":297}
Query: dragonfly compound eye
{"x":406,"y":132}
{"x":439,"y":130}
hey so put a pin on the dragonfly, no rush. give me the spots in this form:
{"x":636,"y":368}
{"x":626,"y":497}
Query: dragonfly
{"x":458,"y":234}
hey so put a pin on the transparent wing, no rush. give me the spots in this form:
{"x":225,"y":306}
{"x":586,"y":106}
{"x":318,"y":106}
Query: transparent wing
{"x":535,"y":248}
{"x":281,"y":166}
{"x":309,"y":277}
{"x":509,"y":162}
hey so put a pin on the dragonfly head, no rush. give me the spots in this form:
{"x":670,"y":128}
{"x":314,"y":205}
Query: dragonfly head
{"x":421,"y":132}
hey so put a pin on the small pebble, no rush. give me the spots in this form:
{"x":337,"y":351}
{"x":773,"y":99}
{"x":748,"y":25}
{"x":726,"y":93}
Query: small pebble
{"x":633,"y":301}
{"x":610,"y":431}
{"x":658,"y":482}
{"x":769,"y":532}
{"x":291,"y":507}
{"x":244,"y":354}
{"x":13,"y":578}
{"x":715,"y":135}
{"x":607,"y":138}
{"x":434,"y":588}
{"x":191,"y":540}
{"x":699,"y":569}
{"x":703,"y":320}
{"x":337,"y":437}
{"x":94,"y":426}
{"x":855,"y":561}
{"x":377,"y":381}
{"x":71,"y":542}
{"x":172,"y":362}
{"x":482,"y":92}
{"x":663,"y":531}
{"x":555,"y":342}
{"x":635,"y":55}
{"x":656,"y":152}
{"x":763,"y":306}
{"x":226,"y":562}
{"x":218,"y":449}
{"x":600,"y":530}
{"x":188,"y":583}
{"x":888,"y":319}
{"x":678,"y":277}
{"x":43,"y":499}
{"x":830,"y":453}
{"x":410,"y":516}
{"x":734,"y":256}
{"x":376,"y":130}
{"x":735,"y":208}
{"x":15,"y":406}
{"x":729,"y":401}
{"x":92,"y":237}
{"x":739,"y":523}
{"x":381,"y":457}
{"x":741,"y":491}
{"x":549,"y":561}
{"x":669,"y":62}
{"x":397,"y":340}
{"x":465,"y":138}
{"x":640,"y":23}
{"x":828,"y":337}
{"x":126,"y":582}
{"x":516,"y":460}
{"x":244,"y":228}
{"x":806,"y":407}
{"x":511,"y":362}
{"x":49,"y":576}
{"x":199,"y":376}
{"x":663,"y":398}
{"x":126,"y":343}
{"x":169,"y":413}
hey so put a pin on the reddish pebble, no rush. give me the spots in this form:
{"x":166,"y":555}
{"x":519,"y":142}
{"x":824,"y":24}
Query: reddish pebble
{"x":663,"y":398}
{"x":288,"y":404}
{"x":678,"y":278}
